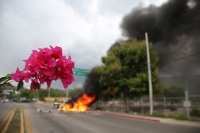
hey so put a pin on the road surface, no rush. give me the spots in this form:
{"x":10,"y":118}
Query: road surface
{"x":92,"y":122}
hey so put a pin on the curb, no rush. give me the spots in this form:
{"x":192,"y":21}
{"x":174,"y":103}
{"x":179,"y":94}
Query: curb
{"x":166,"y":121}
{"x":131,"y":117}
{"x":182,"y":123}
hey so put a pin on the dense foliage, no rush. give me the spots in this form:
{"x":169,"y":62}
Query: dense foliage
{"x":125,"y":67}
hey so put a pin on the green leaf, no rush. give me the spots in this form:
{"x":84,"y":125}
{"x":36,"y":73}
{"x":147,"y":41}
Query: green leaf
{"x":2,"y":79}
{"x":20,"y":85}
{"x":8,"y":76}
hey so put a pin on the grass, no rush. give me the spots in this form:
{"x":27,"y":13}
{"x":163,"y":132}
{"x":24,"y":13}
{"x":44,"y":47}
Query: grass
{"x":14,"y":126}
{"x":176,"y":117}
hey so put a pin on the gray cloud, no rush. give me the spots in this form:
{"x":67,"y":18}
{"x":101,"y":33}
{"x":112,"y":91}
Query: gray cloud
{"x":86,"y":28}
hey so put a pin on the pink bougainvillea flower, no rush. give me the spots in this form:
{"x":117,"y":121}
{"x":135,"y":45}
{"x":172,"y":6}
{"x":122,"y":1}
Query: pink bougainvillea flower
{"x":17,"y":76}
{"x":70,"y":64}
{"x":61,"y":62}
{"x":48,"y":83}
{"x":62,"y":72}
{"x":45,"y":51}
{"x":32,"y":64}
{"x":43,"y":55}
{"x":29,"y":68}
{"x":36,"y":77}
{"x":48,"y":80}
{"x":65,"y":63}
{"x":44,"y":66}
{"x":41,"y":79}
{"x":56,"y":52}
{"x":66,"y":80}
{"x":66,"y":76}
{"x":47,"y":67}
{"x":45,"y":70}
{"x":34,"y":86}
{"x":51,"y":63}
{"x":27,"y":76}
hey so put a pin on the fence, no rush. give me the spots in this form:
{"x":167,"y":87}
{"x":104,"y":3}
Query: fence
{"x":166,"y":105}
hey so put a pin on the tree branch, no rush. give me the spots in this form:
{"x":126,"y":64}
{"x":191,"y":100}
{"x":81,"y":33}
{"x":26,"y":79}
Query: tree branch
{"x":1,"y":84}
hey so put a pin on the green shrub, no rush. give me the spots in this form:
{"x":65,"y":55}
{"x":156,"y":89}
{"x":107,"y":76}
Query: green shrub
{"x":195,"y":112}
{"x":156,"y":114}
{"x":172,"y":108}
{"x":178,"y":117}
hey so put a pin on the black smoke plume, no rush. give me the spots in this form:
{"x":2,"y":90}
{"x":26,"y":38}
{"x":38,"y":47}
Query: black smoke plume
{"x":174,"y":30}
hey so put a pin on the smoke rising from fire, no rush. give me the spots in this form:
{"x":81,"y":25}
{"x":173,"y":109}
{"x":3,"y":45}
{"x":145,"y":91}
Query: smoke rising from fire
{"x":174,"y":30}
{"x":91,"y":88}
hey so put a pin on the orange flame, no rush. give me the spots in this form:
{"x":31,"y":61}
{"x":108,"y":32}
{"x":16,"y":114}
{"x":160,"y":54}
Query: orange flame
{"x":81,"y":105}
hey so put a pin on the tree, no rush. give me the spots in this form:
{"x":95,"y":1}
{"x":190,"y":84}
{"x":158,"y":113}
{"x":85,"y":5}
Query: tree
{"x":42,"y":93}
{"x":1,"y":94}
{"x":11,"y":95}
{"x":57,"y":93}
{"x":173,"y":91}
{"x":5,"y":83}
{"x":125,"y":67}
{"x":26,"y":94}
{"x":74,"y":92}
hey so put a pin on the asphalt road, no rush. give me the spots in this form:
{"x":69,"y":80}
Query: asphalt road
{"x":91,"y":122}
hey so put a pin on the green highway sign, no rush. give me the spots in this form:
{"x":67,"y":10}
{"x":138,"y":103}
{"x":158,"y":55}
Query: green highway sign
{"x":80,"y":72}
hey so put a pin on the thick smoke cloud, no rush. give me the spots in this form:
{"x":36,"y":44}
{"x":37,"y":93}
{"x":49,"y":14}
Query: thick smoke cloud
{"x":174,"y":30}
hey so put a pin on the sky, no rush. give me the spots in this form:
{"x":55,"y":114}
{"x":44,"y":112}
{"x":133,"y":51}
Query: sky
{"x":84,"y":29}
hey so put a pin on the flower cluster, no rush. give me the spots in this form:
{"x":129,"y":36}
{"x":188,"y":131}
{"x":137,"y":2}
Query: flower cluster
{"x":46,"y":65}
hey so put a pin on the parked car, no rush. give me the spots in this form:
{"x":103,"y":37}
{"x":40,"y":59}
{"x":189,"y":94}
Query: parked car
{"x":6,"y":100}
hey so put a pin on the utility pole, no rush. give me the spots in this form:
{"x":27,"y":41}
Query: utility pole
{"x":187,"y":103}
{"x":67,"y":94}
{"x":37,"y":95}
{"x":67,"y":88}
{"x":149,"y":75}
{"x":49,"y":95}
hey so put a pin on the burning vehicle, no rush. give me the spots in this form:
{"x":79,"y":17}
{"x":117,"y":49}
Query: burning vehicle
{"x":56,"y":104}
{"x":83,"y":101}
{"x":82,"y":104}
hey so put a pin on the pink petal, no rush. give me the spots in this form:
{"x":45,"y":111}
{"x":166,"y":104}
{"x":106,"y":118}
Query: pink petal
{"x":56,"y":52}
{"x":17,"y":76}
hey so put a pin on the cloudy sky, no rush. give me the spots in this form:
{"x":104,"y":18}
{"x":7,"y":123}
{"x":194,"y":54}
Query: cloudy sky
{"x":85,"y":29}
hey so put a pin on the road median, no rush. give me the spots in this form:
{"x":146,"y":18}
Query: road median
{"x":16,"y":121}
